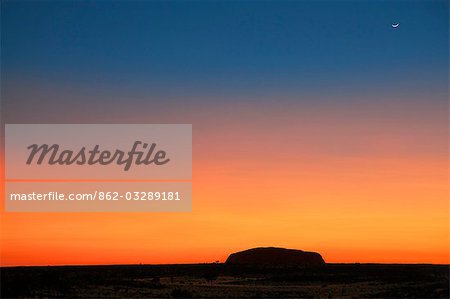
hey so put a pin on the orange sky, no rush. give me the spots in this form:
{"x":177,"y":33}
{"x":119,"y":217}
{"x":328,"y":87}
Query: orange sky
{"x":316,"y":125}
{"x":366,"y":183}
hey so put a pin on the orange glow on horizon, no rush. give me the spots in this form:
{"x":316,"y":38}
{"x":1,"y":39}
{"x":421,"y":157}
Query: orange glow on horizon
{"x":354,"y":190}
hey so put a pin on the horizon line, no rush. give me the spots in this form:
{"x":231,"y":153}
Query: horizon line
{"x":218,"y":263}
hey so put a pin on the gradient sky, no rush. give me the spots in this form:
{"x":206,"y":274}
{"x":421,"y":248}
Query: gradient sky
{"x":316,"y":125}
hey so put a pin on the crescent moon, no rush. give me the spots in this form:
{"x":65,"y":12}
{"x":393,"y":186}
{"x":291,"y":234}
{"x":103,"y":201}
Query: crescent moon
{"x":395,"y":25}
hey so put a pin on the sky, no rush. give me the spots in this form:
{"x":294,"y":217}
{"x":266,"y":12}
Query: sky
{"x":316,"y":125}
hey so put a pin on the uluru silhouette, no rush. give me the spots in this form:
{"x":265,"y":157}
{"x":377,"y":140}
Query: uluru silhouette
{"x":275,"y":256}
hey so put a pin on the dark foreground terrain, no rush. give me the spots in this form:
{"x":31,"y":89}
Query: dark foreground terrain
{"x":227,"y":281}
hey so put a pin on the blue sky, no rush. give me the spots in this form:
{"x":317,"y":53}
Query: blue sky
{"x":230,"y":46}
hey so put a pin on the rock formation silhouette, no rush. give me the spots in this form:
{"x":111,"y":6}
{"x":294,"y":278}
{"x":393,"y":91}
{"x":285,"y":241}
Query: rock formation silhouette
{"x":273,"y":256}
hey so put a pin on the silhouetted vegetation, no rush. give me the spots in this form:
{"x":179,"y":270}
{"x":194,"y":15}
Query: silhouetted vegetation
{"x":181,"y":293}
{"x":222,"y":280}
